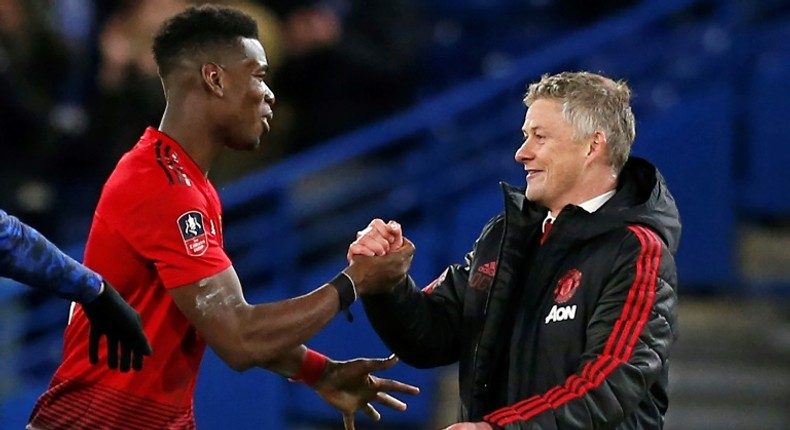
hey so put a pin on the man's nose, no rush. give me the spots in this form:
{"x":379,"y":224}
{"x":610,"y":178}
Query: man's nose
{"x":523,"y":153}
{"x":269,"y":96}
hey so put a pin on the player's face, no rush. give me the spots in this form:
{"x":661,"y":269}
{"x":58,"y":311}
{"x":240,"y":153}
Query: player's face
{"x":553,"y":159}
{"x":250,"y":97}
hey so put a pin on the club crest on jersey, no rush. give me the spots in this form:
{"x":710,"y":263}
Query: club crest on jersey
{"x":567,"y":285}
{"x":193,"y":232}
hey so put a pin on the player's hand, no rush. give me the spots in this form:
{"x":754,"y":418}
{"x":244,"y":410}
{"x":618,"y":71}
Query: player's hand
{"x":378,"y":238}
{"x":111,"y":316}
{"x":380,"y":274}
{"x":470,"y":426}
{"x":350,"y":387}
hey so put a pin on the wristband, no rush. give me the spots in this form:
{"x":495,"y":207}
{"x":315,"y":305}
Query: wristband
{"x":347,"y":291}
{"x":312,"y":368}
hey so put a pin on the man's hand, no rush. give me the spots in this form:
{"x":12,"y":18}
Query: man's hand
{"x":377,"y":238}
{"x":379,"y":274}
{"x":470,"y":426}
{"x":349,"y":387}
{"x":111,"y":316}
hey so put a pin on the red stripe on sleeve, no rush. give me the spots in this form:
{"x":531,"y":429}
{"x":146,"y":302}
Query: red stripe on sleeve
{"x":619,"y":345}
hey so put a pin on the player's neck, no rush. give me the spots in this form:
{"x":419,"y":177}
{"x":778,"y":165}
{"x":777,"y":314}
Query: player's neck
{"x":189,"y":132}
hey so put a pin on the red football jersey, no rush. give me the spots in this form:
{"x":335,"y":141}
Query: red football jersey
{"x":158,"y":225}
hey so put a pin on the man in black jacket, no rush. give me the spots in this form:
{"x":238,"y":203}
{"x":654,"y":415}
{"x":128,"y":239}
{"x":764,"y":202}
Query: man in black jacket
{"x":564,"y":313}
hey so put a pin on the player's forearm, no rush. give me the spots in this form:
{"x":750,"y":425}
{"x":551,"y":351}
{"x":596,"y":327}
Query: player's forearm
{"x":26,"y":256}
{"x":288,"y":362}
{"x":272,"y":333}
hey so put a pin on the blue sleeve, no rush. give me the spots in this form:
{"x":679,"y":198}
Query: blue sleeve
{"x":28,"y":257}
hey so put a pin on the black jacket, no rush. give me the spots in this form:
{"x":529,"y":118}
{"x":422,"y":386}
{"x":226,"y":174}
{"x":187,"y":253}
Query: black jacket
{"x":571,"y":334}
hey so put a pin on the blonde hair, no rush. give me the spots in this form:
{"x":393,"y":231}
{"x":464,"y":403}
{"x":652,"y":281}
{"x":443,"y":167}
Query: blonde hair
{"x":592,"y":102}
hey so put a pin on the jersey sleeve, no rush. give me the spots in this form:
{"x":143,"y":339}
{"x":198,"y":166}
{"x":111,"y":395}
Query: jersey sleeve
{"x":175,"y":230}
{"x":28,"y":257}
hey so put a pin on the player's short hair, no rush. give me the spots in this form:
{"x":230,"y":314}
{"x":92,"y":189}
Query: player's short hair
{"x":198,"y":29}
{"x":592,"y":102}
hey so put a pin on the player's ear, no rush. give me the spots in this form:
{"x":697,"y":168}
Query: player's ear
{"x":213,"y":76}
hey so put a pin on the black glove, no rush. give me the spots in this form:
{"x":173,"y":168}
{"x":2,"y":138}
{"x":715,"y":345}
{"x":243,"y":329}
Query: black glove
{"x":111,"y":316}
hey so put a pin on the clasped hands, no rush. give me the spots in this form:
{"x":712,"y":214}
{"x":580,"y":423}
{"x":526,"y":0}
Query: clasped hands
{"x":380,"y":257}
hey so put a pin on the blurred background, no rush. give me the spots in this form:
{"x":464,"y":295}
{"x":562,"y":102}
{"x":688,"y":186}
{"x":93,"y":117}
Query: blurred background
{"x":411,"y":110}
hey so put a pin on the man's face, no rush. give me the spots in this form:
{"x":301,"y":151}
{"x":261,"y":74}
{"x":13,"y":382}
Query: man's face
{"x":554,"y":161}
{"x":249,"y":99}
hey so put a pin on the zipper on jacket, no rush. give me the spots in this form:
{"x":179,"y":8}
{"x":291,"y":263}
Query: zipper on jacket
{"x":488,"y":296}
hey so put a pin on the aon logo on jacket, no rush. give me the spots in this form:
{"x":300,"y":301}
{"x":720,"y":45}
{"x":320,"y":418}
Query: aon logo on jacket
{"x":561,"y":313}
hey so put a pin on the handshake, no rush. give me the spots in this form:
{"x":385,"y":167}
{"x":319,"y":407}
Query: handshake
{"x":379,"y":259}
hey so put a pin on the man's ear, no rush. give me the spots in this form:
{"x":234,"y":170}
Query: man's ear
{"x":598,"y":145}
{"x":213,"y":76}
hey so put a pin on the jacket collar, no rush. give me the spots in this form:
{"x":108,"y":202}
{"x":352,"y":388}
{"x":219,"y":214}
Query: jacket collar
{"x":642,"y":197}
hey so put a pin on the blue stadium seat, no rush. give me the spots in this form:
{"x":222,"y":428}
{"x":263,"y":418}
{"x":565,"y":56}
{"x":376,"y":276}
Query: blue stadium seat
{"x":471,"y":214}
{"x":228,"y":399}
{"x":697,"y":168}
{"x":764,"y":161}
{"x":15,"y":410}
{"x":232,"y":400}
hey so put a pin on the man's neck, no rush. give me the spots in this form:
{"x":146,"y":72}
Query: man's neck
{"x":608,"y":185}
{"x":190,"y":133}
